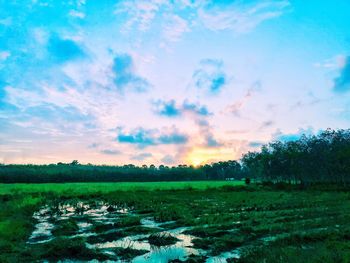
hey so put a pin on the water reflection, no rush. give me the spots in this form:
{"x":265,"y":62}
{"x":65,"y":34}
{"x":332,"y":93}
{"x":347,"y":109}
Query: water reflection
{"x":87,"y":216}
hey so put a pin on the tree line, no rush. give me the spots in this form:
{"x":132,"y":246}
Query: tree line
{"x":322,"y":158}
{"x":75,"y":172}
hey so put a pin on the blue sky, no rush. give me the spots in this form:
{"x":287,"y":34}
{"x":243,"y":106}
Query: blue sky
{"x":168,"y":82}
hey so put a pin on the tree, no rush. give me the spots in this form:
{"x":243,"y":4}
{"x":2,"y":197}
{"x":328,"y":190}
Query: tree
{"x":74,"y":162}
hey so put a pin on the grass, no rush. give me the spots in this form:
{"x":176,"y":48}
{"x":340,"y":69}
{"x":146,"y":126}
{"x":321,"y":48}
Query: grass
{"x":101,"y":188}
{"x":66,"y":228}
{"x":106,"y":237}
{"x":63,"y":248}
{"x":323,"y":247}
{"x":162,"y":239}
{"x":301,"y":226}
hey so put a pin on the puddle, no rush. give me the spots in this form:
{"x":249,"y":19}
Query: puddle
{"x":180,"y":250}
{"x":223,"y":257}
{"x":149,"y":222}
{"x":86,"y":216}
{"x":42,"y":232}
{"x":164,"y":255}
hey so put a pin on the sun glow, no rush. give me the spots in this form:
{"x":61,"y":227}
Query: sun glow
{"x":200,"y":156}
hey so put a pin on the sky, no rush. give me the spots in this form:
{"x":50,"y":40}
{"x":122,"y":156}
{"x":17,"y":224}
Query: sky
{"x":168,"y":82}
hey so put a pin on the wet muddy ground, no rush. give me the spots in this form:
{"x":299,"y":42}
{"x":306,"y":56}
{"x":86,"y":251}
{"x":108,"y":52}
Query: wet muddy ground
{"x":99,"y":231}
{"x":172,"y":226}
{"x":118,"y":233}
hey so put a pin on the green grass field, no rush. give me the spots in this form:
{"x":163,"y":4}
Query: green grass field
{"x":78,"y":188}
{"x":263,"y":224}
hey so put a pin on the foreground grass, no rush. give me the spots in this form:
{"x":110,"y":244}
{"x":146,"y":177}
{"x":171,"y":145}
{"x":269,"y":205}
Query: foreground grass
{"x":102,"y":188}
{"x":19,"y":201}
{"x":300,"y":226}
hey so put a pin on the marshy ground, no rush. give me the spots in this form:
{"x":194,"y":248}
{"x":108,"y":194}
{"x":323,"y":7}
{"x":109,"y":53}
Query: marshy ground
{"x":186,"y":223}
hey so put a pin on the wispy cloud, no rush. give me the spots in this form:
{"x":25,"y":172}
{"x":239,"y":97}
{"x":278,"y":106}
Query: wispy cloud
{"x":236,"y":107}
{"x":237,"y":16}
{"x":210,"y":75}
{"x":206,"y":132}
{"x":166,"y":108}
{"x":174,"y":28}
{"x":331,"y":63}
{"x":144,"y":137}
{"x":240,"y":16}
{"x":342,"y":82}
{"x":195,"y":108}
{"x":141,"y":13}
{"x":64,"y":49}
{"x":125,"y":76}
{"x":255,"y":144}
{"x":110,"y":152}
{"x":93,"y":145}
{"x":141,"y":156}
{"x":172,"y":138}
{"x":168,"y":159}
{"x":309,"y":100}
{"x":211,"y":141}
{"x":266,"y":124}
{"x":4,"y":55}
{"x":75,"y":13}
{"x":53,"y":113}
{"x":171,"y":109}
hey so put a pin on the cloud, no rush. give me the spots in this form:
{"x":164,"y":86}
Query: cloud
{"x":279,"y":136}
{"x":332,"y":63}
{"x":255,"y":144}
{"x":195,"y":108}
{"x":47,"y":121}
{"x":240,"y":16}
{"x":211,"y":141}
{"x":144,"y":138}
{"x":93,"y":145}
{"x":2,"y":90}
{"x":236,"y":107}
{"x":206,"y":131}
{"x":110,"y":152}
{"x":4,"y":55}
{"x":64,"y":50}
{"x":210,"y":75}
{"x":168,"y":159}
{"x":174,"y":28}
{"x":173,"y":138}
{"x":309,"y":100}
{"x":75,"y":13}
{"x":125,"y":76}
{"x":166,"y":108}
{"x":237,"y":16}
{"x":141,"y":156}
{"x":141,"y":13}
{"x":342,"y":82}
{"x":52,"y":113}
{"x":170,"y":109}
{"x":140,"y":136}
{"x":266,"y":124}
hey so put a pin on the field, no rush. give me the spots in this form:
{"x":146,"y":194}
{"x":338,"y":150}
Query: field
{"x":173,"y":222}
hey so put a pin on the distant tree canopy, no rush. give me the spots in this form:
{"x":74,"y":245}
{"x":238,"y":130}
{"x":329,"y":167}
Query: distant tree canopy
{"x":322,"y":158}
{"x":75,"y":172}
